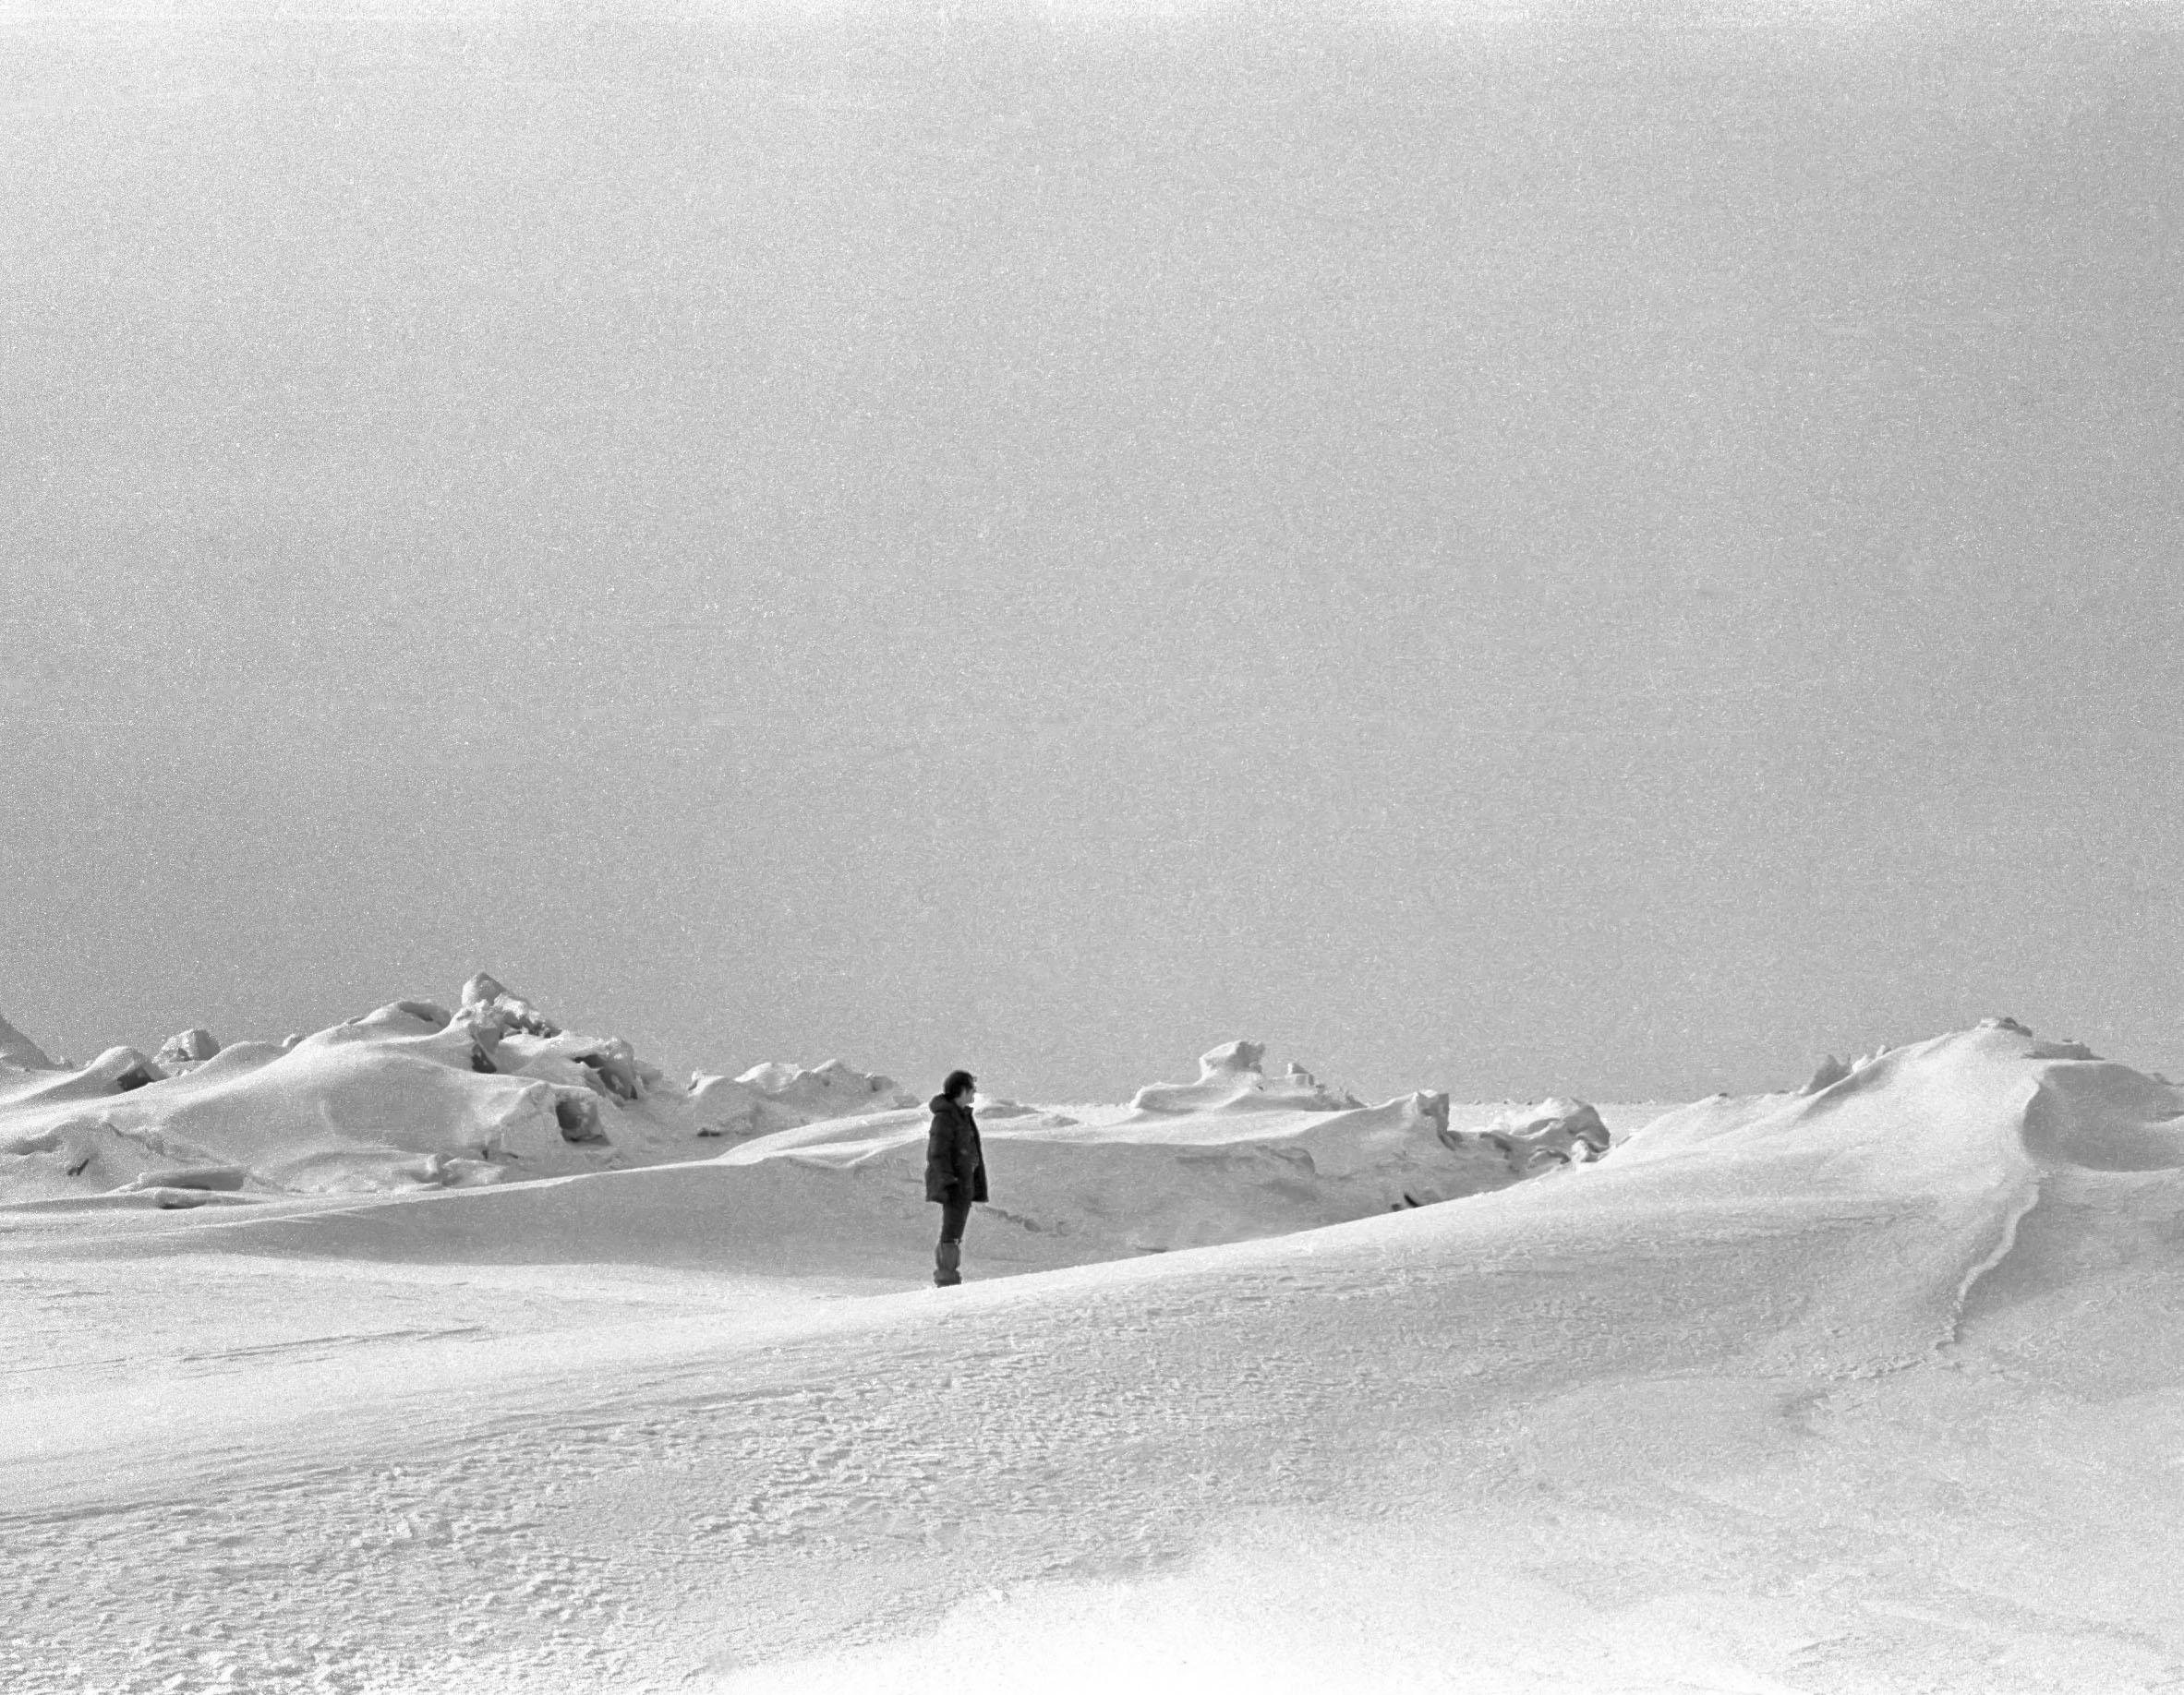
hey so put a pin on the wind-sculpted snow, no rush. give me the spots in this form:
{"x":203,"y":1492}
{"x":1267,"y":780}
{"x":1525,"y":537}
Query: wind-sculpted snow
{"x":492,"y":1011}
{"x":1865,"y":1391}
{"x":118,"y":1071}
{"x":1251,"y":1158}
{"x":405,"y":1096}
{"x":1936,"y":1151}
{"x":2104,"y":1117}
{"x":1831,"y":1071}
{"x":18,"y":1052}
{"x":774,"y":1097}
{"x":1536,"y":1138}
{"x":1232,"y":1079}
{"x":847,"y":1195}
{"x":184,"y":1049}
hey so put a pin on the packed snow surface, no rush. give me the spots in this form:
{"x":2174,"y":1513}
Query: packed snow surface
{"x":1878,"y":1386}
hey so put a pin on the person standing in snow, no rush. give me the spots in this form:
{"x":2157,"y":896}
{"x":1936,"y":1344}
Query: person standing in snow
{"x":955,"y":1171}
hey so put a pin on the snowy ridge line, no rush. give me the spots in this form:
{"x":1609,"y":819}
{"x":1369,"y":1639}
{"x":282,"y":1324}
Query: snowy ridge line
{"x":2130,"y":1114}
{"x":2016,"y":1216}
{"x":410,"y":1096}
{"x":2084,"y":1117}
{"x":1931,"y":1154}
{"x":413,"y":1102}
{"x":1944,"y":1125}
{"x":2028,"y":1196}
{"x":1648,"y":1364}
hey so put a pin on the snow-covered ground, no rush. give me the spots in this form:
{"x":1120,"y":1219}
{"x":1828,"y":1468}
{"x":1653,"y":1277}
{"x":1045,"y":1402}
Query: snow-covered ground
{"x":1879,"y":1386}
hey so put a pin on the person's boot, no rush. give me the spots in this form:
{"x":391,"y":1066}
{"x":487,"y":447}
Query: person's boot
{"x":947,"y":1258}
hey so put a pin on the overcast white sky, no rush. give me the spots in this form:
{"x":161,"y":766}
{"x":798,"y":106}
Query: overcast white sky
{"x":1509,"y":556}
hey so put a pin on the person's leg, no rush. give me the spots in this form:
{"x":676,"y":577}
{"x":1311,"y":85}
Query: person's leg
{"x":947,"y":1258}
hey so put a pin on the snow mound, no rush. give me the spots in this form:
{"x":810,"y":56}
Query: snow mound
{"x":1933,"y":1153}
{"x":724,"y":1106}
{"x":184,"y":1049}
{"x":1232,"y":1079}
{"x":1556,"y":1132}
{"x":846,"y":1198}
{"x":606,"y":1065}
{"x":487,"y":1006}
{"x":409,"y":1095}
{"x":2090,"y":1114}
{"x":115,"y":1072}
{"x":1099,"y":1184}
{"x":1831,"y":1071}
{"x":18,"y":1052}
{"x":1940,"y":1150}
{"x":774,"y":1097}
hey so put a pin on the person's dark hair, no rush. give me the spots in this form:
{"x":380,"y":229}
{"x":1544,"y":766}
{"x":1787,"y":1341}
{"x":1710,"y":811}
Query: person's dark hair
{"x":957,"y":1081}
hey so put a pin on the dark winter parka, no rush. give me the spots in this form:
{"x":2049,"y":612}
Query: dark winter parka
{"x":952,"y":1153}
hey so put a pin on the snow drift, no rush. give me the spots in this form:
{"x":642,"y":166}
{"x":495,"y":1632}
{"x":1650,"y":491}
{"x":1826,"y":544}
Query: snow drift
{"x":1874,"y":1387}
{"x":1234,"y":1156}
{"x":413,"y":1098}
{"x":412,"y":1095}
{"x":776,"y":1097}
{"x":846,"y":1195}
{"x":1232,"y":1079}
{"x":408,"y":1094}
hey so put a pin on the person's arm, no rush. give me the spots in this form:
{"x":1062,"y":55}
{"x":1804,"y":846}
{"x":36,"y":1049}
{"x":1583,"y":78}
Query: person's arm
{"x":964,"y":1167}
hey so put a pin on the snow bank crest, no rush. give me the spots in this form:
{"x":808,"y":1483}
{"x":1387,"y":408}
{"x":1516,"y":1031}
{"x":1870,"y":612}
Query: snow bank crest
{"x":1831,"y":1071}
{"x":184,"y":1050}
{"x":773,"y":1096}
{"x":1232,"y":1079}
{"x":408,"y":1095}
{"x":488,"y":1007}
{"x":1556,"y":1132}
